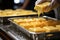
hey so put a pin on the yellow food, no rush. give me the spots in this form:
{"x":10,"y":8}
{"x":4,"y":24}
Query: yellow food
{"x":37,"y":24}
{"x":40,"y":8}
{"x":36,"y":29}
{"x":18,"y":12}
{"x":50,"y":28}
{"x":58,"y":26}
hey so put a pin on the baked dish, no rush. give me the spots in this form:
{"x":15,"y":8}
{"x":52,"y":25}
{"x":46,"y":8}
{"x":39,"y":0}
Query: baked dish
{"x":17,"y":12}
{"x":37,"y":24}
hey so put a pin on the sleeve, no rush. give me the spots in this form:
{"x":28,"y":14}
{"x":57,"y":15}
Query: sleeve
{"x":57,"y":13}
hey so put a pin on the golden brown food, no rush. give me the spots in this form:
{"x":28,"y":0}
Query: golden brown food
{"x":58,"y":26}
{"x":52,"y":23}
{"x":40,"y":8}
{"x":18,"y":12}
{"x":37,"y":24}
{"x":36,"y":29}
{"x":50,"y":28}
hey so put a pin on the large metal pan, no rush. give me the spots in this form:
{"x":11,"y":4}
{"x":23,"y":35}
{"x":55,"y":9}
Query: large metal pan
{"x":34,"y":35}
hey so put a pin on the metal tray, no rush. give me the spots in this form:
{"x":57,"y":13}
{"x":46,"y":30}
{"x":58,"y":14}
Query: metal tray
{"x":33,"y":35}
{"x":18,"y":15}
{"x":4,"y":20}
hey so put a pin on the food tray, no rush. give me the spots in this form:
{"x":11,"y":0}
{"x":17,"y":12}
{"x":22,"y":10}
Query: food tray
{"x":4,"y":19}
{"x":9,"y":13}
{"x":14,"y":13}
{"x":34,"y":35}
{"x":18,"y":15}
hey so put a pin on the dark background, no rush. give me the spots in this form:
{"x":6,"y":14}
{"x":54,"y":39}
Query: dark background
{"x":6,"y":4}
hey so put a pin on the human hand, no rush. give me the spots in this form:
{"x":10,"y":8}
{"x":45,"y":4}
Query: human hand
{"x":53,"y":4}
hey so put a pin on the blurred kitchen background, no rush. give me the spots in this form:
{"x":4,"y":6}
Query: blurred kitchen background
{"x":15,"y":4}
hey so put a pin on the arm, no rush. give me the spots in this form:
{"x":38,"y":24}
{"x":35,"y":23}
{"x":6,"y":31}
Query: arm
{"x":25,"y":4}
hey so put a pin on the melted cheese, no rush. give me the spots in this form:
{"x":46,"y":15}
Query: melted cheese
{"x":41,"y":7}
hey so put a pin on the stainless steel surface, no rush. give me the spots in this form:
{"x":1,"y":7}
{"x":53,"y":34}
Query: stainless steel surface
{"x":50,"y":18}
{"x":14,"y":33}
{"x":21,"y":36}
{"x":33,"y":35}
{"x":29,"y":35}
{"x":23,"y":29}
{"x":4,"y":20}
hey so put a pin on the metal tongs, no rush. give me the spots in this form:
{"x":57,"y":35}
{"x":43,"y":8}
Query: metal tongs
{"x":47,"y":17}
{"x":57,"y":15}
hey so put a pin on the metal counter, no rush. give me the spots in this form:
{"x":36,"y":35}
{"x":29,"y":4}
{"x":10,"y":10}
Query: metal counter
{"x":15,"y":34}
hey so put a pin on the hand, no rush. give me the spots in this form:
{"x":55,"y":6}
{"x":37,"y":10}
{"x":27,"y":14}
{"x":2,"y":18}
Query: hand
{"x":53,"y":4}
{"x":41,"y":1}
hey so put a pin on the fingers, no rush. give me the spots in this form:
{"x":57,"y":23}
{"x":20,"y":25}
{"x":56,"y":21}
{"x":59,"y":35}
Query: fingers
{"x":51,"y":6}
{"x":41,"y":1}
{"x":37,"y":2}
